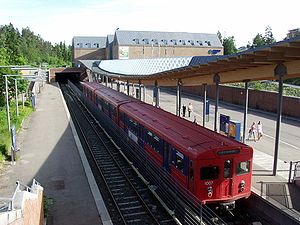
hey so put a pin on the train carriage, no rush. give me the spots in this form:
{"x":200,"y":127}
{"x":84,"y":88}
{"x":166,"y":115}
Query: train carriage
{"x":214,"y":168}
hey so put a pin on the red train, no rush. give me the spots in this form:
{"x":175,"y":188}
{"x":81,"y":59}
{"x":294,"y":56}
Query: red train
{"x":214,"y":168}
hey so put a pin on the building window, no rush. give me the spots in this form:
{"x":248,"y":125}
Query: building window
{"x":182,"y":42}
{"x":200,"y":43}
{"x":137,"y":41}
{"x":208,"y":43}
{"x":164,"y":41}
{"x":174,"y":41}
{"x":79,"y":45}
{"x":88,"y":45}
{"x":154,"y":41}
{"x":191,"y":42}
{"x":146,"y":41}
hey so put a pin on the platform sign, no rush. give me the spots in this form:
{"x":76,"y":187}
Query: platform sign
{"x":224,"y":122}
{"x":234,"y":130}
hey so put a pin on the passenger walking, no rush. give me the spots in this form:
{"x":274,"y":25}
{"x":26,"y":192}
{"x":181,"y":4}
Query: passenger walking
{"x":190,"y":109}
{"x":183,"y":110}
{"x":195,"y":120}
{"x":252,"y":131}
{"x":259,"y":130}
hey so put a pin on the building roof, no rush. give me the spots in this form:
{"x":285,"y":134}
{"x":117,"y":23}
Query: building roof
{"x":140,"y":66}
{"x":89,"y":42}
{"x":125,"y":37}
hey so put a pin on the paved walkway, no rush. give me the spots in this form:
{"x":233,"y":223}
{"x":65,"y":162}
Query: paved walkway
{"x":49,"y":154}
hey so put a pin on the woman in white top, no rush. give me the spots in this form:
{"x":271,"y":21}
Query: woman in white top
{"x":259,"y":130}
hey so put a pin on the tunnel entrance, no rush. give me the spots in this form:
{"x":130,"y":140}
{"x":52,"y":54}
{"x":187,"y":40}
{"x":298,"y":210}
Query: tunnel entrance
{"x":63,"y":77}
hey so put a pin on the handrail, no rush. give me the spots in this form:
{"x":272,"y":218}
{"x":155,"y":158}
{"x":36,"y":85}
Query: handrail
{"x":10,"y":201}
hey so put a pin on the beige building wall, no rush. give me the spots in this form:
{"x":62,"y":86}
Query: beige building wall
{"x":88,"y":53}
{"x":141,"y":52}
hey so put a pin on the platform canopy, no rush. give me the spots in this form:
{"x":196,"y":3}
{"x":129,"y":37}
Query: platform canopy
{"x":253,"y":64}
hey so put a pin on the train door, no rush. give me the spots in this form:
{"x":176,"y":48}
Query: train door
{"x":166,"y":156}
{"x":227,"y":183}
{"x":191,"y":176}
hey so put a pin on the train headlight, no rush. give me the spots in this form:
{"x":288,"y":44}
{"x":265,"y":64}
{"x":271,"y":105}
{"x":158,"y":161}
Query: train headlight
{"x":209,"y":191}
{"x":242,"y":186}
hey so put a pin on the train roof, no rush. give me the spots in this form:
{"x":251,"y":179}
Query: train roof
{"x":183,"y":134}
{"x":113,"y":96}
{"x":109,"y":94}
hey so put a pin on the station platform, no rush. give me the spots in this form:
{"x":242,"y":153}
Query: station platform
{"x":50,"y":153}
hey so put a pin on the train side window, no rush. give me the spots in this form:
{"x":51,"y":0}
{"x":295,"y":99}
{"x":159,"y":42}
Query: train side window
{"x":209,"y":173}
{"x":243,"y":167}
{"x":113,"y":110}
{"x":152,"y":140}
{"x":132,"y":125}
{"x":178,"y":160}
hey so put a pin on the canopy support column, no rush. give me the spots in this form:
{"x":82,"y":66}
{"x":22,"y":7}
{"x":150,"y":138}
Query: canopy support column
{"x":280,"y":71}
{"x":204,"y":104}
{"x":217,"y":82}
{"x":245,"y":110}
{"x":178,"y":97}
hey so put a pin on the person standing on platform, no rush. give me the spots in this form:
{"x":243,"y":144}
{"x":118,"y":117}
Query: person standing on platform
{"x":190,"y":109}
{"x":183,"y":110}
{"x":252,"y":131}
{"x":259,"y":130}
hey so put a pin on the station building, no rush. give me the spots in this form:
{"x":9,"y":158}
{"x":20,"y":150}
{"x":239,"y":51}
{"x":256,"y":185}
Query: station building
{"x":145,"y":44}
{"x":88,"y":48}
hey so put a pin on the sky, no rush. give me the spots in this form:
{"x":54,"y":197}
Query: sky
{"x":61,"y":20}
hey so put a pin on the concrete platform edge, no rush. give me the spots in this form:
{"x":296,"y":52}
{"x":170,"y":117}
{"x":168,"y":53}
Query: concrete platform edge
{"x":103,"y":213}
{"x":277,"y":208}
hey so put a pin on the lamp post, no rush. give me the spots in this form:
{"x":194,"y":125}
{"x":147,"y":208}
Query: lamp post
{"x":17,"y":103}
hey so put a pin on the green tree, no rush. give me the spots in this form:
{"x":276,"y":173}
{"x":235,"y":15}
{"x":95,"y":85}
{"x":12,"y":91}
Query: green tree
{"x":269,"y":38}
{"x":258,"y":41}
{"x":229,"y":45}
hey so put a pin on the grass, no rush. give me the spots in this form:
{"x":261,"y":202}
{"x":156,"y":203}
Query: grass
{"x":5,"y":140}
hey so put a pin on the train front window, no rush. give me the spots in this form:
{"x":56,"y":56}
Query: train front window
{"x":209,"y":173}
{"x":227,"y":169}
{"x":243,"y":167}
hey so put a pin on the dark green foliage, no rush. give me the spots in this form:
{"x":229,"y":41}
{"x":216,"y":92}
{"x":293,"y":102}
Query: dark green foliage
{"x":229,"y":45}
{"x":267,"y":39}
{"x":23,"y":48}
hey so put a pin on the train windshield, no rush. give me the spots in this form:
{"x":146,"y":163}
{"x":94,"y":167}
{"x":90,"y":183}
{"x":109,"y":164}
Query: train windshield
{"x":209,"y":173}
{"x":243,"y":167}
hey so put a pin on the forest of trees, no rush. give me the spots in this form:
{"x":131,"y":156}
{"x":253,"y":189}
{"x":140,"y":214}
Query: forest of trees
{"x":26,"y":48}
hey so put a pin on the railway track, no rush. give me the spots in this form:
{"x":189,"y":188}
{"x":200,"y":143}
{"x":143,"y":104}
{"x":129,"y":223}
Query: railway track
{"x":128,"y":199}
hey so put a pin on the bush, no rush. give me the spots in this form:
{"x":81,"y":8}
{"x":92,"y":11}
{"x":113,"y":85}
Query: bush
{"x":5,"y":141}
